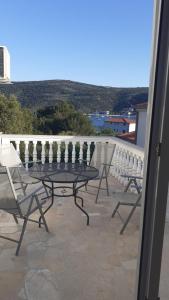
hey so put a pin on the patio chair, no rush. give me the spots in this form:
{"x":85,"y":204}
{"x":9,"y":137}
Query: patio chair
{"x":10,"y":158}
{"x":128,"y":199}
{"x":20,"y":206}
{"x":101,"y":160}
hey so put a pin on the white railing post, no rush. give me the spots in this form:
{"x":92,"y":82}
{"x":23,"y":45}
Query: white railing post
{"x":88,"y":151}
{"x":34,"y":151}
{"x":73,"y":152}
{"x":50,"y":152}
{"x":66,"y":151}
{"x":26,"y":153}
{"x":43,"y":152}
{"x":17,"y":147}
{"x":58,"y":151}
{"x":81,"y":151}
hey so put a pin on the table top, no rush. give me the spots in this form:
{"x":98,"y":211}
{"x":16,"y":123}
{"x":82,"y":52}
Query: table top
{"x":63,"y":172}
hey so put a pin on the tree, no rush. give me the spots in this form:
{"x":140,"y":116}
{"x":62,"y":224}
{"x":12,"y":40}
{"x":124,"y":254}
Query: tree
{"x":14,"y":119}
{"x":61,"y":119}
{"x":107,"y":131}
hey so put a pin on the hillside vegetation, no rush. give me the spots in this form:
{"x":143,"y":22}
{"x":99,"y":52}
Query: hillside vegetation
{"x":59,"y":119}
{"x":85,"y":97}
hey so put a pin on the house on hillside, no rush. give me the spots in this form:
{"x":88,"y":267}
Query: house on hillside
{"x":137,"y":136}
{"x":120,"y":125}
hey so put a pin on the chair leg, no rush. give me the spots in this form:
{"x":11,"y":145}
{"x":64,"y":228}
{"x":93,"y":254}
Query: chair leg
{"x":128,"y":185}
{"x":107,"y":186}
{"x":42,"y":215}
{"x":21,"y":236}
{"x":15,"y":218}
{"x":98,"y":190}
{"x":128,"y":219}
{"x":115,"y":210}
{"x":131,"y":213}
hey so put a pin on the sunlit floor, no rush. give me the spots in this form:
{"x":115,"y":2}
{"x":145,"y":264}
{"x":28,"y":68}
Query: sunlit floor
{"x":73,"y":261}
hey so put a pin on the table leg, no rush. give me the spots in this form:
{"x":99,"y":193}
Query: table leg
{"x":52,"y":201}
{"x":80,"y":207}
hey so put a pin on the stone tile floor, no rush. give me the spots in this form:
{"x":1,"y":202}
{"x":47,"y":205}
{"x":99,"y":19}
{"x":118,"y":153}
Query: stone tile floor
{"x":73,"y":261}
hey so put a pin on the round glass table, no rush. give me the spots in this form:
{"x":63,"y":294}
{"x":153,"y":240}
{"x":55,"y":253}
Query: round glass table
{"x":64,"y":180}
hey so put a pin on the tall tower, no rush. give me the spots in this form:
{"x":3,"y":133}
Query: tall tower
{"x":4,"y":65}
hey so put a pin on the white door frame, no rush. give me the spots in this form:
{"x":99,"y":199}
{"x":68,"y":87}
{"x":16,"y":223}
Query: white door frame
{"x":156,"y":174}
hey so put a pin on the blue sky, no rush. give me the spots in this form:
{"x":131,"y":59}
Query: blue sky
{"x":103,"y":42}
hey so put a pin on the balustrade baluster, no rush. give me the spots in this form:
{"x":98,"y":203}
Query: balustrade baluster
{"x":26,"y":153}
{"x":58,"y":151}
{"x":50,"y":152}
{"x":73,"y":151}
{"x":17,"y":147}
{"x":115,"y":161}
{"x":43,"y":152}
{"x":34,"y":151}
{"x":135,"y":164}
{"x":88,"y":152}
{"x":66,"y":151}
{"x":81,"y":151}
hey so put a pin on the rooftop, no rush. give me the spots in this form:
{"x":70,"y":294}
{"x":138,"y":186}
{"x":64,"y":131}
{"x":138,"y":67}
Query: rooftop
{"x":128,"y":136}
{"x":120,"y":120}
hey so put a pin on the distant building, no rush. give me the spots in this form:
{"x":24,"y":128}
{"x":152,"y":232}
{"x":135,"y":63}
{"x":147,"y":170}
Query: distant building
{"x":141,"y":110}
{"x":4,"y":65}
{"x":121,"y":125}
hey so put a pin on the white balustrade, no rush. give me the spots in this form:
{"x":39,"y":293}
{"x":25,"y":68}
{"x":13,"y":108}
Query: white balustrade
{"x":128,"y":158}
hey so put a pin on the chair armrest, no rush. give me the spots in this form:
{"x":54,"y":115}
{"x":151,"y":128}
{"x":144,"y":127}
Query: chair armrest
{"x":131,"y":176}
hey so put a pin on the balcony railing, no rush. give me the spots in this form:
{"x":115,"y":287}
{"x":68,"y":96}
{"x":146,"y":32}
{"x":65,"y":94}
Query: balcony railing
{"x":128,"y":158}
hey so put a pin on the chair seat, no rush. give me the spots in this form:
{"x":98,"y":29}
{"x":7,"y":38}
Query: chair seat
{"x":26,"y":179}
{"x":125,"y":198}
{"x":24,"y":205}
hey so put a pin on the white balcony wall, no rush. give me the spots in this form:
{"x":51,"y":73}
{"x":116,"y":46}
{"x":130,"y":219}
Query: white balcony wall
{"x":128,"y":158}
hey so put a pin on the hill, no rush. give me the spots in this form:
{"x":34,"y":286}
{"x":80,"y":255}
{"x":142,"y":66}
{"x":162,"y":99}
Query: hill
{"x":85,"y":97}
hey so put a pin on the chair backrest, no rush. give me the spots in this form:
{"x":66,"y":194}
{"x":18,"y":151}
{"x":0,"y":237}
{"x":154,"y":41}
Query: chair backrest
{"x":8,"y":197}
{"x":102,"y":154}
{"x":9,"y":156}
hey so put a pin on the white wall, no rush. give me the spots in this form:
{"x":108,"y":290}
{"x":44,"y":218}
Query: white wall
{"x":6,"y":64}
{"x":132,"y":127}
{"x":141,"y":128}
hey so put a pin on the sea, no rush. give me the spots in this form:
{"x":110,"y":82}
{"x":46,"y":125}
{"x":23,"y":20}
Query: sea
{"x":98,"y":120}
